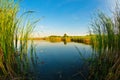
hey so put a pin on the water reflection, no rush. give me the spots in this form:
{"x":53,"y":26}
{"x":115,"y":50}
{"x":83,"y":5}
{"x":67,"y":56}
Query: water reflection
{"x":65,"y":42}
{"x":60,"y":61}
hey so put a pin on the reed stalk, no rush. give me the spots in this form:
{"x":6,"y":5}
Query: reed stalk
{"x":105,"y":63}
{"x":13,"y":56}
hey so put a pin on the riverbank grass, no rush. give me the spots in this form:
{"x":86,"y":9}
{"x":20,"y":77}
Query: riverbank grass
{"x":13,"y":60}
{"x":105,"y":64}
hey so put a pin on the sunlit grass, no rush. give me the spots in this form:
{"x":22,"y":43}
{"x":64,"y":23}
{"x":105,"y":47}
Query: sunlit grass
{"x":13,"y":29}
{"x":105,"y":63}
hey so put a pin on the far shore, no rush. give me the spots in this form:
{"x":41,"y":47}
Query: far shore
{"x":79,"y":39}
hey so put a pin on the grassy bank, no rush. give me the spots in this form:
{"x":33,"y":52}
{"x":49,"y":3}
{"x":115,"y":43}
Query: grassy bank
{"x":81,"y":39}
{"x":78,"y":39}
{"x":105,"y":64}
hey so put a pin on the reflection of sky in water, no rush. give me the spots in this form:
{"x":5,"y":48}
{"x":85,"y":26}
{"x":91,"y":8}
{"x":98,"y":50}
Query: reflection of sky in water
{"x":56,"y":61}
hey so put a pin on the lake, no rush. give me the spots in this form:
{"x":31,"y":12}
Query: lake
{"x":59,"y":61}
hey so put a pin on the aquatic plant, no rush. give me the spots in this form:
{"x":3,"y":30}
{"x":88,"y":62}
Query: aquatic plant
{"x":105,"y":64}
{"x":14,"y":33}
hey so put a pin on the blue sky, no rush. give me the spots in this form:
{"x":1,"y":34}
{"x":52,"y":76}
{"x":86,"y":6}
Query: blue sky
{"x":64,"y":16}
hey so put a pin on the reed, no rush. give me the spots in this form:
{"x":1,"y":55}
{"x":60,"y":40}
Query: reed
{"x":14,"y":34}
{"x":105,"y":64}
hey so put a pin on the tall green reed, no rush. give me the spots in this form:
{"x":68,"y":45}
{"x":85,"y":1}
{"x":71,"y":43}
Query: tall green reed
{"x":106,"y":57}
{"x":14,"y":34}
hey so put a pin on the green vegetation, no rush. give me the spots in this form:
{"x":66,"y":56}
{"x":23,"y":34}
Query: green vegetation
{"x":13,"y":60}
{"x":15,"y":32}
{"x":81,"y":39}
{"x":66,"y":38}
{"x":105,"y":63}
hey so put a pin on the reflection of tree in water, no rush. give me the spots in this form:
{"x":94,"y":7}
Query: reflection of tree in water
{"x":64,"y":39}
{"x":65,"y":42}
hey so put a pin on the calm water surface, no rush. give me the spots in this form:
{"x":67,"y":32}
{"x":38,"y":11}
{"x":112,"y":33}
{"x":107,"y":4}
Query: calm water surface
{"x":59,"y":61}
